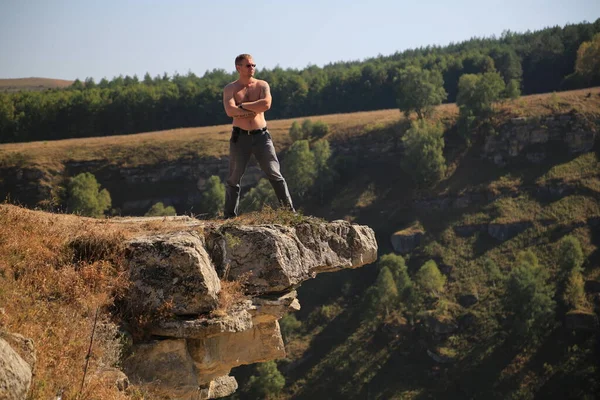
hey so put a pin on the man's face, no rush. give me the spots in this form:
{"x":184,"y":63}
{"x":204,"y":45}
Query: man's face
{"x":246,"y":67}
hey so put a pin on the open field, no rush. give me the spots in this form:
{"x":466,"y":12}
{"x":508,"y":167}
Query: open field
{"x":32,"y":84}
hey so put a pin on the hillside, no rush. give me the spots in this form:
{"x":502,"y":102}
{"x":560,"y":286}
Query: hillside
{"x":32,"y":84}
{"x":529,"y":186}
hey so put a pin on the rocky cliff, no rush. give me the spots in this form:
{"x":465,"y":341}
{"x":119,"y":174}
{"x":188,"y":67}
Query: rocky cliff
{"x":189,"y":354}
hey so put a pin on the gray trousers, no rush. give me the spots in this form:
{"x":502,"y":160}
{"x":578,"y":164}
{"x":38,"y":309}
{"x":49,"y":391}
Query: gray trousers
{"x":241,"y":147}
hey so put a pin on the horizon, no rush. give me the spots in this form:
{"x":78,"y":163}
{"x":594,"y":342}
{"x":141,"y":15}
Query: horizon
{"x":71,"y":40}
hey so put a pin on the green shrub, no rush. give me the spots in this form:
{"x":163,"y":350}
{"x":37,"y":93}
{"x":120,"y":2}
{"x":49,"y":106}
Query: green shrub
{"x":259,"y":196}
{"x":300,"y":168}
{"x":159,"y":210}
{"x":430,"y":279}
{"x":213,"y":197}
{"x":267,"y":383}
{"x":529,"y":298}
{"x":85,"y":196}
{"x":424,"y":152}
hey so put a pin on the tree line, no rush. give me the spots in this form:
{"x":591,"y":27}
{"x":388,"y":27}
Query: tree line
{"x":536,"y":62}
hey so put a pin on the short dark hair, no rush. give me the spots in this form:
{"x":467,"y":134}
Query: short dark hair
{"x":241,"y":57}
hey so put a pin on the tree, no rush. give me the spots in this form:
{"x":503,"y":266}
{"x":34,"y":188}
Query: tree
{"x":477,"y":93}
{"x":588,"y":60}
{"x":419,"y":90}
{"x":395,"y":263}
{"x":296,"y":132}
{"x":159,"y":210}
{"x":300,"y":167}
{"x":85,"y":196}
{"x":430,"y":279}
{"x":268,"y":382}
{"x":318,"y":130}
{"x":424,"y":152}
{"x":382,"y":296}
{"x":513,"y":89}
{"x":574,"y":294}
{"x":213,"y":197}
{"x":325,"y":174}
{"x":529,"y":298}
{"x":570,"y":255}
{"x":494,"y":275}
{"x":259,"y":196}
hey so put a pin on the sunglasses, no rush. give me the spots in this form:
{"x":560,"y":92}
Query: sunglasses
{"x":248,"y":65}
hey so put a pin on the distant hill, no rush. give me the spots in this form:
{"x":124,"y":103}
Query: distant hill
{"x":32,"y":84}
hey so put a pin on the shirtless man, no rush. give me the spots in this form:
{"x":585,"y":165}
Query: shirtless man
{"x":246,"y":101}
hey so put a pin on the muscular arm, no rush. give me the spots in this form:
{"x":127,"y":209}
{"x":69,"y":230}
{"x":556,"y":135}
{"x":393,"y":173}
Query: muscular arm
{"x":264,"y":103}
{"x":231,"y":109}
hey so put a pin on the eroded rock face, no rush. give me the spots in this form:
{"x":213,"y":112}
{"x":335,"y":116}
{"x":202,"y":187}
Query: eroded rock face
{"x":190,"y":356}
{"x":173,"y":268}
{"x":17,"y":361}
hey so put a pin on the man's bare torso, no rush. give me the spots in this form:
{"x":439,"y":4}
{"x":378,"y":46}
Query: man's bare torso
{"x":245,"y":94}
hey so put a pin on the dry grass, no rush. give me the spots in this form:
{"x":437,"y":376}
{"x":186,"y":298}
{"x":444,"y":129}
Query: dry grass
{"x":32,"y":84}
{"x":212,"y":141}
{"x":55,"y":271}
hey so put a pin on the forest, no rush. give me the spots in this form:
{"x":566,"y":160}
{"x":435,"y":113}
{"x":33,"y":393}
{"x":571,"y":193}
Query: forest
{"x":537,"y":62}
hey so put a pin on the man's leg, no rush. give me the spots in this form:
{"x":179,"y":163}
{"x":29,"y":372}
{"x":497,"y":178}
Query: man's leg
{"x":239,"y":155}
{"x":264,"y":151}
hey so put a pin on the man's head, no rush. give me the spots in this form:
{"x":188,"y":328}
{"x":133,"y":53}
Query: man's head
{"x":244,"y":64}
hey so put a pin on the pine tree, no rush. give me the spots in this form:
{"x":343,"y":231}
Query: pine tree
{"x":267,"y":383}
{"x":300,"y":168}
{"x":213,"y":197}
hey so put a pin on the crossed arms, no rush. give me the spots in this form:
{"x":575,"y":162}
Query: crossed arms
{"x":251,"y":108}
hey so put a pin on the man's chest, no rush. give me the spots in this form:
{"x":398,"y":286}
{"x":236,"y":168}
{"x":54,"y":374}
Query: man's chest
{"x":246,"y":94}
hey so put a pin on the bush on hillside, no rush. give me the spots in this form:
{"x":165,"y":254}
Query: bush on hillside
{"x":86,"y":198}
{"x":259,"y":196}
{"x":529,"y":298}
{"x":300,"y":168}
{"x":430,"y":279}
{"x":267,"y":383}
{"x":213,"y":197}
{"x":424,"y":152}
{"x":159,"y":210}
{"x":308,"y":130}
{"x":476,"y":97}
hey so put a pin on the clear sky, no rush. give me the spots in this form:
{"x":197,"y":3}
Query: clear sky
{"x":68,"y":39}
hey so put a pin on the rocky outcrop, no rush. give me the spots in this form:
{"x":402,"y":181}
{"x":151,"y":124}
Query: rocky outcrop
{"x":530,"y":137}
{"x":17,"y":362}
{"x":190,"y":354}
{"x":579,"y":320}
{"x":505,"y":231}
{"x":406,"y":240}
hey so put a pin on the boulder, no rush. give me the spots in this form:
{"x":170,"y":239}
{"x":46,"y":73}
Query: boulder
{"x":507,"y":231}
{"x":276,"y":258}
{"x":579,"y":320}
{"x":16,"y":372}
{"x":405,"y":241}
{"x":440,"y":325}
{"x":173,"y":268}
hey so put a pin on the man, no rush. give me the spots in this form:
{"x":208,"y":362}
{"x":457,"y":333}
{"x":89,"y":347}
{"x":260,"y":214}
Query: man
{"x":246,"y":101}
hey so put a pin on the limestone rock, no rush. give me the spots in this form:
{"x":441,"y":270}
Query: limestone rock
{"x":114,"y":377}
{"x":15,"y":373}
{"x":407,"y":240}
{"x":265,"y":310}
{"x":164,"y":367}
{"x":22,"y":345}
{"x":275,"y":258}
{"x":203,"y":327}
{"x":581,"y":321}
{"x":214,"y":357}
{"x":507,"y":231}
{"x":172,"y":268}
{"x":440,"y":325}
{"x":220,"y":387}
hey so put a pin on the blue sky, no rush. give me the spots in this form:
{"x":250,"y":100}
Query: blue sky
{"x":71,"y":39}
